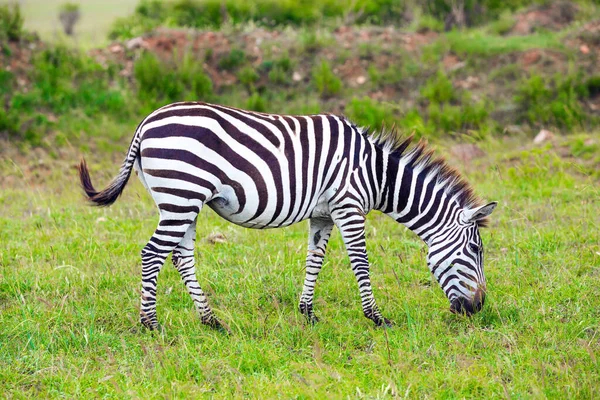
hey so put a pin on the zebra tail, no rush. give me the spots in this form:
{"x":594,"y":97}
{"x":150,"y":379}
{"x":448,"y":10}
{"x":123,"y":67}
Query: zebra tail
{"x":112,"y":192}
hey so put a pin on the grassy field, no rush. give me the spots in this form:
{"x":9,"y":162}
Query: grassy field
{"x":69,"y":292}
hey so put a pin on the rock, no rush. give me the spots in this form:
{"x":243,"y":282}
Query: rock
{"x":296,"y":77}
{"x":584,"y":49}
{"x":361,"y":80}
{"x":543,"y":136}
{"x":115,"y":48}
{"x":216,"y":237}
{"x":134,"y":43}
{"x":467,"y":152}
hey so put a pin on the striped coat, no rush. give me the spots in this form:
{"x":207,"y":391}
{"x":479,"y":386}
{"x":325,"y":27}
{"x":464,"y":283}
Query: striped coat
{"x":266,"y":171}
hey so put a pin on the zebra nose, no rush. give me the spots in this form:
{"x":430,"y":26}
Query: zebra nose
{"x":463,"y":305}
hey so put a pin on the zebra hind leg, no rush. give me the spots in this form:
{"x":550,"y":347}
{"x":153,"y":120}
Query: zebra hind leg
{"x":184,"y":261}
{"x":165,"y":239}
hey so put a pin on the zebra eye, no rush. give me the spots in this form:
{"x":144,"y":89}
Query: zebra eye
{"x":474,"y":248}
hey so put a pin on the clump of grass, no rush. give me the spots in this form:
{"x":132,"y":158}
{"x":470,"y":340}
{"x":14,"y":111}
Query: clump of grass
{"x":232,"y":60}
{"x":256,"y":103}
{"x":159,"y":81}
{"x":391,"y":76}
{"x":438,"y":89}
{"x":370,"y":113}
{"x":553,"y":101}
{"x":325,"y":81}
{"x":477,"y":43}
{"x":11,"y":22}
{"x":248,"y":77}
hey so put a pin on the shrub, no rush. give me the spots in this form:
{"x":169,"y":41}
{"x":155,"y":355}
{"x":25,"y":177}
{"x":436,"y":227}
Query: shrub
{"x":148,"y":15}
{"x":279,"y":70}
{"x":11,"y":22}
{"x":438,"y":88}
{"x":248,"y":77}
{"x":325,"y":80}
{"x":160,"y":81}
{"x":368,"y":112}
{"x":69,"y":15}
{"x":232,"y":60}
{"x":428,"y":22}
{"x":256,"y":103}
{"x":553,"y":101}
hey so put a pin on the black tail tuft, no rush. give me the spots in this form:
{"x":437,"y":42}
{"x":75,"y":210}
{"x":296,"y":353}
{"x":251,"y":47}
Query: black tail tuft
{"x":105,"y":197}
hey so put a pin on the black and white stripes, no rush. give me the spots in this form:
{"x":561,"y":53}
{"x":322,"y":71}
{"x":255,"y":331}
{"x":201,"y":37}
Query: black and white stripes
{"x":267,"y":171}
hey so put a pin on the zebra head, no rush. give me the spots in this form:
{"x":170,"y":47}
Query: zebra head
{"x":455,"y":258}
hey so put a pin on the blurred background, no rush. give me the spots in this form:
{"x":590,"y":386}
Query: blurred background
{"x":80,"y":70}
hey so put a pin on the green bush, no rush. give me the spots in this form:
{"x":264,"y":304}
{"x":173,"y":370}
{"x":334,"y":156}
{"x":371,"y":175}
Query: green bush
{"x":159,"y":81}
{"x":438,"y":88}
{"x":232,"y":60}
{"x":63,"y":79}
{"x":443,"y":118}
{"x":256,"y":103}
{"x":11,"y":22}
{"x":554,"y":101}
{"x":248,"y":77}
{"x":279,"y":71}
{"x":325,"y":81}
{"x":370,"y":113}
{"x":148,"y":15}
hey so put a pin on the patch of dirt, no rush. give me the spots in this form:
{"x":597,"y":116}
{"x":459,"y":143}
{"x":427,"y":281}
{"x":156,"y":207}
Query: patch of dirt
{"x":552,"y":16}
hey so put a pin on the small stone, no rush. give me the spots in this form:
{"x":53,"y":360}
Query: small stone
{"x":361,"y":80}
{"x":216,"y":237}
{"x":134,"y":43}
{"x":296,"y":77}
{"x":543,"y":136}
{"x":115,"y":48}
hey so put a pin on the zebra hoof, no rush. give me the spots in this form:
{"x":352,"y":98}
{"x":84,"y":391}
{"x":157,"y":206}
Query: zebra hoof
{"x":384,"y":323}
{"x":153,"y":327}
{"x":215,"y":324}
{"x":312,"y":319}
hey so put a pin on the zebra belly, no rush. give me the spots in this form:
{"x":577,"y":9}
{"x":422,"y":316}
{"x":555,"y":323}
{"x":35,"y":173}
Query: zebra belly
{"x":227,"y":208}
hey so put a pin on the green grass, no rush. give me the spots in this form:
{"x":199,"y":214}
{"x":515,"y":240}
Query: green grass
{"x":478,"y":43}
{"x":70,"y":278}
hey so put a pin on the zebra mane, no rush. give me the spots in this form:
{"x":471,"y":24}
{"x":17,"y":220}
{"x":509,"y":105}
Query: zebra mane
{"x":421,"y":157}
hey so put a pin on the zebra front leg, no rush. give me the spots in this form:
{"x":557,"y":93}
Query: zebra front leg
{"x":185,"y":263}
{"x":319,"y":233}
{"x":351,"y":223}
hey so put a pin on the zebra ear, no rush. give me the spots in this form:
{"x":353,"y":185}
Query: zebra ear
{"x":476,"y":214}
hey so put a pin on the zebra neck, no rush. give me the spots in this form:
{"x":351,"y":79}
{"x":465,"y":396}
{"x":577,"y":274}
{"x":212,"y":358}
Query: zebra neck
{"x":414,"y":197}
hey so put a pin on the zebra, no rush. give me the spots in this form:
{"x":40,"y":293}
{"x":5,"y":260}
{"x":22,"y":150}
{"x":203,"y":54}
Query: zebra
{"x":262,"y":170}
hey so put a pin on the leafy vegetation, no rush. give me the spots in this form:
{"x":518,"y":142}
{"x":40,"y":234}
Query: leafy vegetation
{"x":160,"y":82}
{"x":11,"y":22}
{"x":325,"y":81}
{"x":555,"y":101}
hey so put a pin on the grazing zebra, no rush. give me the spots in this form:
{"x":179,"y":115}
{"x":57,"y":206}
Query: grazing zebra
{"x":267,"y":171}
